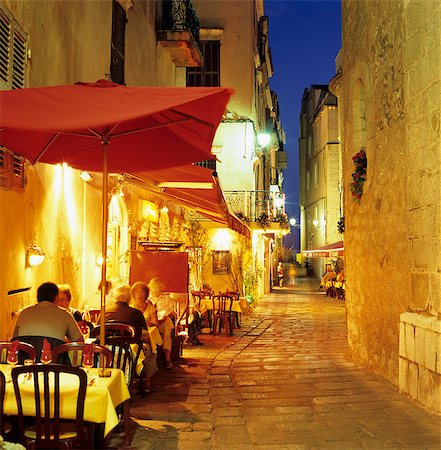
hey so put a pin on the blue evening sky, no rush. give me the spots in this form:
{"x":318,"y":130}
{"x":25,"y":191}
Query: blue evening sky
{"x":305,"y":37}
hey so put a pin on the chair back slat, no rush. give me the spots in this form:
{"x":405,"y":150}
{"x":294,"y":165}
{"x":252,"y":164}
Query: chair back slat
{"x":76,"y":350}
{"x":2,"y":398}
{"x":115,"y":329}
{"x":47,"y":416}
{"x":125,"y":354}
{"x":222,"y":313}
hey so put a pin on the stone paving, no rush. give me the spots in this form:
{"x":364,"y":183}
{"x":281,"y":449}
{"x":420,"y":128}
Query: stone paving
{"x":285,"y":380}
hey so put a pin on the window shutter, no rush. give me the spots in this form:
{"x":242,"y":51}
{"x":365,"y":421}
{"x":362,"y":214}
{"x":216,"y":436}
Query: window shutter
{"x":18,"y":60}
{"x":11,"y":171}
{"x":5,"y":48}
{"x":13,"y":53}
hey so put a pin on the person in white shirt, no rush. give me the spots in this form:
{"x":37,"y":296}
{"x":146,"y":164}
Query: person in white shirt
{"x":165,"y":310}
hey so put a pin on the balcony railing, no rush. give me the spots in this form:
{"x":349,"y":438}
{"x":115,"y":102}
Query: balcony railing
{"x":261,"y":207}
{"x":178,"y":33}
{"x":180,"y":15}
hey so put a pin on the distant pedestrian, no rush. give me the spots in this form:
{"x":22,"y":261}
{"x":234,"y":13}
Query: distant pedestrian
{"x":292,"y":274}
{"x":280,"y":272}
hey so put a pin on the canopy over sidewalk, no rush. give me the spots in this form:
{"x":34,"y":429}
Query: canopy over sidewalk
{"x":326,"y":251}
{"x":195,"y":187}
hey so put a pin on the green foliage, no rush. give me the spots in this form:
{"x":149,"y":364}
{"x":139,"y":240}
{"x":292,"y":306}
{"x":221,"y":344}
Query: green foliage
{"x":359,"y":175}
{"x":341,"y":225}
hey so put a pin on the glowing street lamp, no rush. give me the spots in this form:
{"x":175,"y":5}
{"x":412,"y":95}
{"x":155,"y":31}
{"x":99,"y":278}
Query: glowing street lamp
{"x":292,"y":221}
{"x":263,"y":139}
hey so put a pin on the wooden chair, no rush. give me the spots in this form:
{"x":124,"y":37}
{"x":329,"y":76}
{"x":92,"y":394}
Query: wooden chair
{"x":37,"y":343}
{"x":75,"y":350}
{"x":5,"y":427}
{"x":25,"y":351}
{"x":115,"y":329}
{"x":94,"y":314}
{"x":49,"y":431}
{"x":182,"y":325}
{"x":125,"y":354}
{"x":236,"y":315}
{"x":222,"y":313}
{"x":199,"y":296}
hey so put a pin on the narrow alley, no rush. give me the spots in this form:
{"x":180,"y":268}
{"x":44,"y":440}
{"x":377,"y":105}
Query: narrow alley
{"x":283,"y":381}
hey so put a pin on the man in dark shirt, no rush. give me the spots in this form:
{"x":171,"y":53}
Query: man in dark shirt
{"x":120,"y":311}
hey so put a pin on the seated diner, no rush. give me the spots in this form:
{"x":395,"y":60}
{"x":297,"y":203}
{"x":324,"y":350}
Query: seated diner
{"x":121,"y":311}
{"x":46,"y":320}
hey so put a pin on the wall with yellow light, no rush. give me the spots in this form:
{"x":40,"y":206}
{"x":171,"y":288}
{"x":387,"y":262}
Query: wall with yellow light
{"x":393,"y":233}
{"x":58,"y":211}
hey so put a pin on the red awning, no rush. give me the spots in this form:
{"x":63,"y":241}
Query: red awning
{"x":196,"y":188}
{"x":327,"y":251}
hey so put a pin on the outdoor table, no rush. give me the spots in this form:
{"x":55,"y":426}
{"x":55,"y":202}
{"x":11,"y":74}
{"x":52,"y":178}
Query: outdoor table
{"x":207,"y":305}
{"x":102,"y":397}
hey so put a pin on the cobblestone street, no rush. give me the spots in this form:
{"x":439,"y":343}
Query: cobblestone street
{"x":283,"y":381}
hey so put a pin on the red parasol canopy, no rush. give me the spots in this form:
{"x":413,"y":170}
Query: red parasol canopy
{"x":106,"y":127}
{"x":196,"y":187}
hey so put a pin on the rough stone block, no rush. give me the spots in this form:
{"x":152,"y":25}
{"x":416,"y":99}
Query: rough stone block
{"x":403,"y":375}
{"x":407,"y":317}
{"x":420,"y":345}
{"x":413,"y":380}
{"x":422,"y":321}
{"x":409,"y":331}
{"x":436,"y":326}
{"x":419,"y":183}
{"x":402,"y":342}
{"x":420,"y":292}
{"x":429,"y":389}
{"x":431,"y":343}
{"x":438,"y":355}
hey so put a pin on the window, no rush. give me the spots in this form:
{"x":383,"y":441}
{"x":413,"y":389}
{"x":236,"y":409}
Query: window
{"x":11,"y":171}
{"x":119,"y":21}
{"x":13,"y":52}
{"x":209,"y":73}
{"x":208,"y":164}
{"x":307,"y":180}
{"x":316,"y":173}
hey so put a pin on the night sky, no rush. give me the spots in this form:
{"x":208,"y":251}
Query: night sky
{"x":305,"y":37}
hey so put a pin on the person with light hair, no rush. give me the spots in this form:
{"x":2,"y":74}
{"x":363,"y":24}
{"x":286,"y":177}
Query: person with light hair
{"x":121,"y":311}
{"x":165,"y":310}
{"x":64,"y":299}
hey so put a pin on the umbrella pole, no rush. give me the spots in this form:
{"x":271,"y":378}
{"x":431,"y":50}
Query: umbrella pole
{"x":104,"y":246}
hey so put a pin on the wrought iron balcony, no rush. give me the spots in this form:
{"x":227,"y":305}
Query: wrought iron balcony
{"x":263,"y":208}
{"x":179,"y":32}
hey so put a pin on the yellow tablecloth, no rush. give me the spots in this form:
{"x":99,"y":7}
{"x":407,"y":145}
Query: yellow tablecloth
{"x":101,"y":398}
{"x":207,"y":305}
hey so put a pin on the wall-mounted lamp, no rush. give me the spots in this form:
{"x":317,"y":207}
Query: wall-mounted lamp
{"x":315,"y":222}
{"x":292,"y":221}
{"x":86,"y":176}
{"x":263,"y":139}
{"x":34,"y":256}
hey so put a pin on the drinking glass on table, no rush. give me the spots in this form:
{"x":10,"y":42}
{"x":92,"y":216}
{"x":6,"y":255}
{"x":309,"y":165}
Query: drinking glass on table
{"x":12,"y":358}
{"x":46,"y":357}
{"x":87,"y":360}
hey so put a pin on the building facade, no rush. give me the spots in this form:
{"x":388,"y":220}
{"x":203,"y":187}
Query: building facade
{"x":389,"y":92}
{"x":320,"y":172}
{"x":137,"y":43}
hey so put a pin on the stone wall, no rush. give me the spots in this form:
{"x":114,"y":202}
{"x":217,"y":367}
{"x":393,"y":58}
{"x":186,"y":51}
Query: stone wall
{"x":391,"y":92}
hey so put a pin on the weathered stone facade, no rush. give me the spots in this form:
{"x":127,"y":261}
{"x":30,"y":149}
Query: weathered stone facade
{"x":391,"y":93}
{"x":320,"y":172}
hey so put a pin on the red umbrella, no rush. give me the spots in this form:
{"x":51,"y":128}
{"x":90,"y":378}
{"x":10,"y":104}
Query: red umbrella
{"x":106,"y":127}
